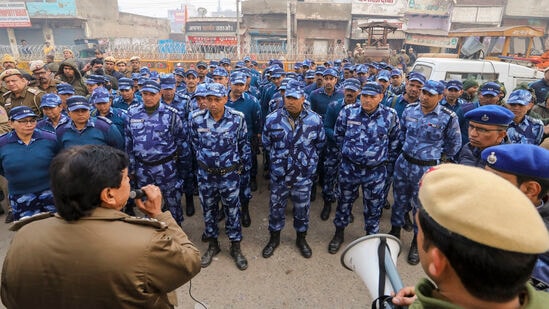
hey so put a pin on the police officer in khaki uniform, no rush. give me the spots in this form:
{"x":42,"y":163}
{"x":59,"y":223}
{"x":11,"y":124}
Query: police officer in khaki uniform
{"x":90,"y":254}
{"x":19,"y":92}
{"x":43,"y":77}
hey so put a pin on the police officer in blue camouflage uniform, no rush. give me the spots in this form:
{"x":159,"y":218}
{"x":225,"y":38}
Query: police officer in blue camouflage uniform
{"x":220,"y":140}
{"x":397,"y":86}
{"x":430,"y":132}
{"x":53,"y":112}
{"x":249,"y":107}
{"x":351,"y":91}
{"x":453,"y":101}
{"x":413,"y":86}
{"x":100,"y":98}
{"x":157,"y":145}
{"x":294,"y":137}
{"x":83,"y":129}
{"x":487,"y":127}
{"x":179,"y":74}
{"x":369,"y":138}
{"x":524,"y":129}
{"x":127,"y":96}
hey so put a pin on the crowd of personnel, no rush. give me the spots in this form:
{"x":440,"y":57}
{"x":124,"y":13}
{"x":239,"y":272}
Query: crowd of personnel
{"x":335,"y":125}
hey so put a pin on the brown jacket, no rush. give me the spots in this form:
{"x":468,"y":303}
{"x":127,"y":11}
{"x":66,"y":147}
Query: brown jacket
{"x":30,"y":97}
{"x":106,"y":260}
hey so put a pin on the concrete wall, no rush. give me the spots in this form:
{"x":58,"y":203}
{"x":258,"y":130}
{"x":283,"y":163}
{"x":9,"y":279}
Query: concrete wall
{"x":530,"y":8}
{"x":323,"y":11}
{"x":263,"y":7}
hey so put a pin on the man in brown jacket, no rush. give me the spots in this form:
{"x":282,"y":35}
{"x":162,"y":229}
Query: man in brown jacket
{"x":90,"y":254}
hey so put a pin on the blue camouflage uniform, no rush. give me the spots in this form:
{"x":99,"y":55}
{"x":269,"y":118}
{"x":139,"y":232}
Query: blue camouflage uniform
{"x":457,"y":108}
{"x":529,"y":130}
{"x":26,"y":167}
{"x":98,"y":130}
{"x":294,"y":147}
{"x":223,"y":152}
{"x":118,"y":102}
{"x":119,"y":117}
{"x":368,"y":143}
{"x":425,"y":138}
{"x":157,"y":145}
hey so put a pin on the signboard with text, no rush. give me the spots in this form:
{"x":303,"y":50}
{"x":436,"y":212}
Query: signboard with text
{"x":14,"y":15}
{"x":428,"y":40}
{"x":213,"y":40}
{"x":213,"y":26}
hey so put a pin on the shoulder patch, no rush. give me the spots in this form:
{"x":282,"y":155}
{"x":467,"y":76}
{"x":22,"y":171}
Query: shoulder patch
{"x":171,"y":108}
{"x":411,"y":104}
{"x":199,"y":112}
{"x":235,"y":112}
{"x":147,"y":222}
{"x":34,"y":91}
{"x":26,"y":220}
{"x":448,"y":111}
{"x":107,"y":120}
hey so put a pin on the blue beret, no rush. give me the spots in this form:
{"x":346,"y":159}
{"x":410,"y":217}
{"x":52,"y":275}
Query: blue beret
{"x":50,"y":100}
{"x":490,"y":114}
{"x":351,"y":84}
{"x":125,"y":83}
{"x":433,"y":87}
{"x":520,"y":96}
{"x":417,"y":77}
{"x":64,"y":88}
{"x":77,"y":102}
{"x":454,"y":84}
{"x":151,"y":86}
{"x":490,"y":88}
{"x":21,"y":112}
{"x":518,"y":159}
{"x":100,"y":95}
{"x":216,"y":89}
{"x":372,"y":88}
{"x":294,"y":89}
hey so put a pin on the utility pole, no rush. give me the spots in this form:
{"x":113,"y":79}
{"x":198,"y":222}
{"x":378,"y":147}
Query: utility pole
{"x":238,"y":29}
{"x":289,"y":45}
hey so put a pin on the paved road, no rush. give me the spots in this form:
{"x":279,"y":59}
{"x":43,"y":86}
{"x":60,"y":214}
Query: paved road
{"x":285,"y":280}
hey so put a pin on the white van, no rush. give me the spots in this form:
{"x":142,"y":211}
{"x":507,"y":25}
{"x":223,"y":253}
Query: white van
{"x":480,"y":70}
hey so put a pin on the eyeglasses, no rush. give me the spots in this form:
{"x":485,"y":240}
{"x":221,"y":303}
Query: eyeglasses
{"x":482,"y":130}
{"x":31,"y":121}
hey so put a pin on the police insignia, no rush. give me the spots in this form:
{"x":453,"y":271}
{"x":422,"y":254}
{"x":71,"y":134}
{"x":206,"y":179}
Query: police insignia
{"x":485,"y":117}
{"x":492,"y":158}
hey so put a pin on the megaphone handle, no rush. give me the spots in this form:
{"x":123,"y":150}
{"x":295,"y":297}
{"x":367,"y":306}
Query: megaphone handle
{"x":392,"y":272}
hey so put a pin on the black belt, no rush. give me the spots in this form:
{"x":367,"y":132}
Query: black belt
{"x":167,"y":159}
{"x":367,"y":167}
{"x":419,"y":162}
{"x":220,"y":171}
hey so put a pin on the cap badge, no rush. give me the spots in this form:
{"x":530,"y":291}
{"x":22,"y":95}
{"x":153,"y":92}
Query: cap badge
{"x":485,"y":118}
{"x":492,"y":159}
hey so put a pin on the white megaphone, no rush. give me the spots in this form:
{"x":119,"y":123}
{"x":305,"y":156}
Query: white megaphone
{"x":374,"y":258}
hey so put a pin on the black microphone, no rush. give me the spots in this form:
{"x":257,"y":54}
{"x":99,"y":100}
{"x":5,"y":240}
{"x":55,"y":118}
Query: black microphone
{"x":136,"y":193}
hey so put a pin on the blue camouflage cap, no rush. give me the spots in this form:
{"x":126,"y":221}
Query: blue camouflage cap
{"x":254,"y":63}
{"x":154,"y":75}
{"x":490,"y":88}
{"x":65,"y":88}
{"x":291,"y":75}
{"x":136,"y":76}
{"x":150,"y":86}
{"x":328,"y":63}
{"x":191,"y":72}
{"x":310,"y":74}
{"x":384,"y":75}
{"x":20,"y":112}
{"x":276,"y":62}
{"x":144,"y":71}
{"x":372,"y":88}
{"x":348,"y":66}
{"x":225,"y":61}
{"x":95,"y":79}
{"x":238,"y":78}
{"x":362,"y":69}
{"x":490,"y":114}
{"x":520,"y":96}
{"x":125,"y":83}
{"x":330,"y":72}
{"x":216,"y":89}
{"x":278,"y":72}
{"x":306,"y":63}
{"x":201,"y":90}
{"x":239,"y":64}
{"x":142,"y":80}
{"x":179,"y":71}
{"x":77,"y":102}
{"x":337,"y":62}
{"x":294,"y":89}
{"x":454,"y":84}
{"x":50,"y":100}
{"x":298,"y":65}
{"x":396,"y":72}
{"x":518,"y":159}
{"x":246,"y":71}
{"x":100,"y":95}
{"x":284,"y":83}
{"x":351,"y":84}
{"x":416,"y":76}
{"x":433,"y":87}
{"x":320,"y":69}
{"x":167,"y":81}
{"x":220,"y":71}
{"x":201,"y":64}
{"x":247,"y":59}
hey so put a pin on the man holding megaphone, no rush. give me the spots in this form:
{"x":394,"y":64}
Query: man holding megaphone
{"x":467,"y":246}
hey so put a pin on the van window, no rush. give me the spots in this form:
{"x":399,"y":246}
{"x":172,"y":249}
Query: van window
{"x":479,"y":77}
{"x":423,"y":69}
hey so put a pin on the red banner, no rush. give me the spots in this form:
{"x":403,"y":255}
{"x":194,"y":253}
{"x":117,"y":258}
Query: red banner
{"x":213,"y":40}
{"x":14,"y":15}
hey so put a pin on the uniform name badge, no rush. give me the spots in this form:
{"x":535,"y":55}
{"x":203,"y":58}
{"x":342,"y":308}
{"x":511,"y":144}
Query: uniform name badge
{"x":355,"y":123}
{"x":203,"y":130}
{"x":137,"y":120}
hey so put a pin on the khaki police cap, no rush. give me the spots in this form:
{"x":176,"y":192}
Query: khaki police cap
{"x":484,"y":208}
{"x":121,"y":61}
{"x":110,"y":59}
{"x":10,"y":72}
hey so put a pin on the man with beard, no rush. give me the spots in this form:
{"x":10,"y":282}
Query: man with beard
{"x":318,"y":82}
{"x":351,"y":91}
{"x":43,"y":78}
{"x":109,"y":68}
{"x":122,"y":68}
{"x":487,"y":127}
{"x":135,"y":64}
{"x":19,"y":92}
{"x":69,"y":73}
{"x":413,"y":90}
{"x":202,"y":70}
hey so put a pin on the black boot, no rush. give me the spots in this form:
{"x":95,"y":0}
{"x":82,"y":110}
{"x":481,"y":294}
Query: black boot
{"x":413,"y":255}
{"x":9,"y":217}
{"x":274,"y":241}
{"x":408,"y":225}
{"x":239,"y":259}
{"x":302,"y":245}
{"x":313,"y":192}
{"x":351,"y":218}
{"x":213,"y":250}
{"x":189,"y":205}
{"x":336,"y":241}
{"x":395,"y":231}
{"x":245,"y":214}
{"x":253,"y":184}
{"x":387,"y":205}
{"x":325,"y":213}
